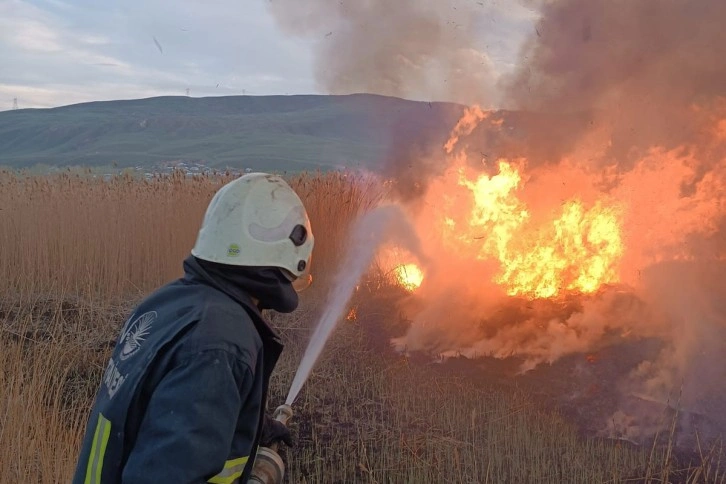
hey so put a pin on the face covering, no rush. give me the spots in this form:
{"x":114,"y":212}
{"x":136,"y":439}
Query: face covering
{"x":266,"y":284}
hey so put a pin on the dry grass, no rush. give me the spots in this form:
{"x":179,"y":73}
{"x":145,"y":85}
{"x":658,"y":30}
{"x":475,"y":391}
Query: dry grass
{"x":118,"y":239}
{"x":42,"y":418}
{"x":77,"y":252}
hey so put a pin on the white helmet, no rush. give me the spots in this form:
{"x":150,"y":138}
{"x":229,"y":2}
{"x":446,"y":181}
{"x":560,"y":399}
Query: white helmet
{"x":257,"y":220}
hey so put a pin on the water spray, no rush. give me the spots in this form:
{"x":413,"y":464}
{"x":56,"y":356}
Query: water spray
{"x":366,"y":237}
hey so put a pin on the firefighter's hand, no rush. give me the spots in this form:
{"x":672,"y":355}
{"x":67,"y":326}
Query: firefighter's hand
{"x":274,"y":431}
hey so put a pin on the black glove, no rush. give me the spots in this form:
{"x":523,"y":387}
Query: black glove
{"x":274,"y":431}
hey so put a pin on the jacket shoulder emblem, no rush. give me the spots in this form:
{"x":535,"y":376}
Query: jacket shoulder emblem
{"x":135,"y":334}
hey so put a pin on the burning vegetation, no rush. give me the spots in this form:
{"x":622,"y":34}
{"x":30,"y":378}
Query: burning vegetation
{"x":598,"y":185}
{"x":593,"y":255}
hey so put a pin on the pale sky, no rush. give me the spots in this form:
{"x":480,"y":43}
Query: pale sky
{"x":58,"y":52}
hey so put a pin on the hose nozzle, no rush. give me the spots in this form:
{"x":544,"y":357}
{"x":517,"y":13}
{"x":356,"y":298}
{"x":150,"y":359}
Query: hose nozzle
{"x":283,"y":414}
{"x":269,"y":468}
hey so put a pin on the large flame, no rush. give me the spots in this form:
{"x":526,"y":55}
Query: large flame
{"x":576,"y":249}
{"x":541,"y":252}
{"x":549,"y":230}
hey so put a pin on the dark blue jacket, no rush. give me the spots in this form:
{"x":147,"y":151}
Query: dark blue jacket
{"x":182,"y":398}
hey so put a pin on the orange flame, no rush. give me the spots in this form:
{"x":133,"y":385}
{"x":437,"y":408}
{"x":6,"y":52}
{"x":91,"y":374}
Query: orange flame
{"x":468,"y":122}
{"x":409,"y":276}
{"x":352,"y":315}
{"x":576,"y":251}
{"x":575,"y":248}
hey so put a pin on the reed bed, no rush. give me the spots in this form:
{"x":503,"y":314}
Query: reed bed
{"x":76,"y":252}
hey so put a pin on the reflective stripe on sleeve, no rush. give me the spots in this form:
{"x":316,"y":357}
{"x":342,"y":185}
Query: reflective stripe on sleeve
{"x":233,"y":469}
{"x":98,"y":449}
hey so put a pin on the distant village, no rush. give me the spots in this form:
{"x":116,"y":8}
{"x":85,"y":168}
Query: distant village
{"x":189,"y":168}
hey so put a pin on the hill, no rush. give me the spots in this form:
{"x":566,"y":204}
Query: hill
{"x":259,"y":132}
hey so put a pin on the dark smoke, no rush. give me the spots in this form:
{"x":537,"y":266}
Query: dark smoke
{"x":648,"y":72}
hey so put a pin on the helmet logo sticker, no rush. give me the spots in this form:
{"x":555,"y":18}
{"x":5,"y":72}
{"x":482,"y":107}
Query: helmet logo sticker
{"x":233,"y":250}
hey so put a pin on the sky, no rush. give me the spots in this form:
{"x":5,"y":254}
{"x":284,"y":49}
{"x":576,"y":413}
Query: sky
{"x":59,"y":52}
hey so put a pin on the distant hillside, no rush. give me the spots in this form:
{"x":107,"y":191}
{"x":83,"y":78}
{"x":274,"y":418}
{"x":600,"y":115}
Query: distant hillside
{"x":265,"y":132}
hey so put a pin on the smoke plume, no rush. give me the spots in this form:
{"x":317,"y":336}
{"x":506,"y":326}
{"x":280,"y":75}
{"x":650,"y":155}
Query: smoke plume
{"x":649,"y":74}
{"x":415,"y":49}
{"x":424,"y":49}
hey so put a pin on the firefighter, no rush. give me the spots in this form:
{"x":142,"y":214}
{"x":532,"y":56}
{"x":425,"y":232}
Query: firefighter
{"x":183,"y":397}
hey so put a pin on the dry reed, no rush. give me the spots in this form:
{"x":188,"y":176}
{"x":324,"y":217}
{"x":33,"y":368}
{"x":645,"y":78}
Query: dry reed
{"x":77,"y":251}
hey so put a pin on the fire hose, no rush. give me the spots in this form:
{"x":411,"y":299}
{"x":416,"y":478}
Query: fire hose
{"x":269,"y":468}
